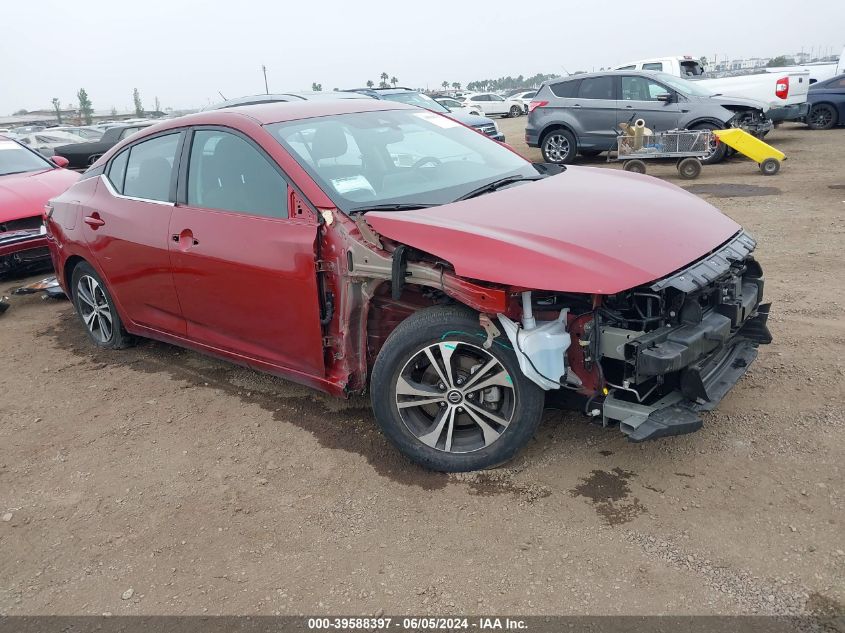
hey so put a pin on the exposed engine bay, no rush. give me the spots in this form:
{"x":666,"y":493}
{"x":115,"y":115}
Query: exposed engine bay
{"x":651,"y":357}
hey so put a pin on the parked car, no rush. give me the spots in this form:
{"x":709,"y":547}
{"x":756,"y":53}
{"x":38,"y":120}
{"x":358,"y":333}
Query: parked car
{"x":483,"y":124}
{"x":581,"y":113}
{"x":493,"y":104}
{"x":364,"y":246}
{"x":827,"y":104}
{"x":524,"y":98}
{"x":81,"y":155}
{"x":785,"y":93}
{"x":27,"y":181}
{"x":46,"y":142}
{"x":283,"y":97}
{"x":453,"y":105}
{"x":87,"y":133}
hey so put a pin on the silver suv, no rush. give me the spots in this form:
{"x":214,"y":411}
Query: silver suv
{"x":581,"y":114}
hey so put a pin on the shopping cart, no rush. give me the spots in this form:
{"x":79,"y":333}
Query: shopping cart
{"x":687,"y":146}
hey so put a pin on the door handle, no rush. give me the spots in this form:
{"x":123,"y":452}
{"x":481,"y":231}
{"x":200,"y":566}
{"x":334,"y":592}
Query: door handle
{"x":185,"y":239}
{"x":94,"y":220}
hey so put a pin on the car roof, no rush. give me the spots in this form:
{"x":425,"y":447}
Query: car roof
{"x":282,"y":97}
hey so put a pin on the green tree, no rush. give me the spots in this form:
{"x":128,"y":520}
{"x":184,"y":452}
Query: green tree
{"x":157,"y":105}
{"x":86,"y":108}
{"x":113,"y":111}
{"x":383,"y":83}
{"x":370,"y":83}
{"x":781,"y":60}
{"x":456,"y":85}
{"x":57,"y":106}
{"x":394,"y":81}
{"x":139,"y":107}
{"x":316,"y":87}
{"x":445,"y":85}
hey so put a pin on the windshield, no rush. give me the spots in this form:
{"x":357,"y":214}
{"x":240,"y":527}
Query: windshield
{"x":416,"y":99}
{"x":396,"y":157}
{"x":682,"y":85}
{"x":14,"y":159}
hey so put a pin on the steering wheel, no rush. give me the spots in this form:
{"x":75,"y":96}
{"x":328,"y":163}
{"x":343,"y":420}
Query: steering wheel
{"x":425,"y":160}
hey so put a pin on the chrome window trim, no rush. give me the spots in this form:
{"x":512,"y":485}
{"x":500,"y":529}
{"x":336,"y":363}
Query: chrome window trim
{"x":115,"y":194}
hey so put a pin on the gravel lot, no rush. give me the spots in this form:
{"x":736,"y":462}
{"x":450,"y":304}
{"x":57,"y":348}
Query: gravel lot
{"x":156,"y":481}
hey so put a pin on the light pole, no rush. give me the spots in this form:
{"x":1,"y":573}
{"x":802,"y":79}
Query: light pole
{"x":264,"y":70}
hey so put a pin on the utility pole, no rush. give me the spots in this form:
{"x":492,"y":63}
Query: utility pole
{"x":264,"y":70}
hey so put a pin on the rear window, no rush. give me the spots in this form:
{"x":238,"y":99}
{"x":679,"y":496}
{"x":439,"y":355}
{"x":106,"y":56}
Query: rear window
{"x":596,"y":88}
{"x":566,"y":89}
{"x":658,"y":66}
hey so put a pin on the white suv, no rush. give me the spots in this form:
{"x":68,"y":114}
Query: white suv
{"x":491,"y":103}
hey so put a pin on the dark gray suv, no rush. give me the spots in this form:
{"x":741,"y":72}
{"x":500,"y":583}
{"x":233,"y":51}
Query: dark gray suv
{"x":581,"y":114}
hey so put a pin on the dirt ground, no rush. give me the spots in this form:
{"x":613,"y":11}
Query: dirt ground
{"x":156,"y":481}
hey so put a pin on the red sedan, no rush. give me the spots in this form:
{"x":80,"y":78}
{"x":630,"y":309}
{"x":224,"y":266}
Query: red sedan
{"x":27,"y":182}
{"x":361,"y":246}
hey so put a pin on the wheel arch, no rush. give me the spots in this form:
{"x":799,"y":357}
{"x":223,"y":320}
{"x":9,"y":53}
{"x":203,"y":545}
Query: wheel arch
{"x":706,"y":121}
{"x":557,"y":125}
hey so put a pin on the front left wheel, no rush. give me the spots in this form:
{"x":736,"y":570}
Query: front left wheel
{"x":515,"y":111}
{"x":446,"y":401}
{"x":821,"y":117}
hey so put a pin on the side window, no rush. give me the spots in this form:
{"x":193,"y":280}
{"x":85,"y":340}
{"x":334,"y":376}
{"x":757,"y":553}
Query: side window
{"x":496,"y":98}
{"x":566,"y":89}
{"x":641,"y":89}
{"x":631,"y":67}
{"x":596,"y":88}
{"x":838,"y":84}
{"x":226,"y":172}
{"x":477,"y":98}
{"x":127,"y":132}
{"x":658,"y":66}
{"x":117,"y":170}
{"x":150,"y":168}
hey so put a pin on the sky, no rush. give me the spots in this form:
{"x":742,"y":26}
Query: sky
{"x":187,"y":52}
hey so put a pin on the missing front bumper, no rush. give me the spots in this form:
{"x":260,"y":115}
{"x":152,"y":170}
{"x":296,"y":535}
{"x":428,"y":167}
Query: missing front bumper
{"x":703,"y":385}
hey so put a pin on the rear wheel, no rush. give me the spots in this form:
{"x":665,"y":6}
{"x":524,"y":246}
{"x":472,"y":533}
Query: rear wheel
{"x":717,"y":150}
{"x":447,"y":402}
{"x":689,"y":168}
{"x":515,"y":111}
{"x":634,"y":166}
{"x":96,"y":309}
{"x":821,"y":117}
{"x":559,"y":146}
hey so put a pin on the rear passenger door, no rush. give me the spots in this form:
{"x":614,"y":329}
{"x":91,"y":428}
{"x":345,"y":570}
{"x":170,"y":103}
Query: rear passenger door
{"x":126,"y":227}
{"x":595,"y":109}
{"x":243,"y":265}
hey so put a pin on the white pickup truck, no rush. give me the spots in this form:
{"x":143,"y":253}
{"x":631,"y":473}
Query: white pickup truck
{"x":785,"y":93}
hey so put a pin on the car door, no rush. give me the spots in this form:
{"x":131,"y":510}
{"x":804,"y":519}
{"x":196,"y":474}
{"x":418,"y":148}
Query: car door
{"x":595,"y":108}
{"x":482,"y":102}
{"x":497,"y":105}
{"x":644,"y":98}
{"x":244,"y":268}
{"x":126,"y":227}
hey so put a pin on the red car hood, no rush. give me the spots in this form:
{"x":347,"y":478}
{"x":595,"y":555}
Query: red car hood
{"x":24,"y":195}
{"x":586,"y":230}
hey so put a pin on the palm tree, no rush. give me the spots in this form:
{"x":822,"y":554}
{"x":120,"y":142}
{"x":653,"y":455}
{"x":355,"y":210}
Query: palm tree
{"x":316,"y":87}
{"x":394,"y":81}
{"x":370,"y":83}
{"x":445,"y":85}
{"x":384,"y":77}
{"x":456,"y":85}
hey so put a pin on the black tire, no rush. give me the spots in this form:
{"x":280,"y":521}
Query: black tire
{"x":515,"y":111}
{"x":458,"y":443}
{"x":96,"y":310}
{"x":634,"y":166}
{"x":93,"y":159}
{"x":559,"y":146}
{"x":770,"y":166}
{"x":589,"y":153}
{"x":689,"y":168}
{"x":719,"y":149}
{"x":822,"y":116}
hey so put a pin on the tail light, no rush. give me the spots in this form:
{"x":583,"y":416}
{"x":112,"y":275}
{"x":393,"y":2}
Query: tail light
{"x":536,"y":104}
{"x":782,"y":88}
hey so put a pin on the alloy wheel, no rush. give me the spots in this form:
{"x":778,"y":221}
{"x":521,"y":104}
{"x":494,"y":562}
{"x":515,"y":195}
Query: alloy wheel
{"x":455,"y":397}
{"x":94,"y":308}
{"x":821,"y":117}
{"x":557,"y":148}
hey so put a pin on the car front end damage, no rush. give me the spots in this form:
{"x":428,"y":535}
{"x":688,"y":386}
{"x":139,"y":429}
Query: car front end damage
{"x":651,"y":358}
{"x":23,"y":247}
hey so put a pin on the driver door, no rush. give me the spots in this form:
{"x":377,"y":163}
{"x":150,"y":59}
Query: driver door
{"x":640,"y":98}
{"x":243,"y":266}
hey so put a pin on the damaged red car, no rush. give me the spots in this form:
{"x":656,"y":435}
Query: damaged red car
{"x":27,"y":182}
{"x":359,"y":246}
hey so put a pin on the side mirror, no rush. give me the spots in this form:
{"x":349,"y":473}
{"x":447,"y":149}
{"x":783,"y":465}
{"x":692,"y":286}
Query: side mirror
{"x":60,"y":161}
{"x":665,"y":97}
